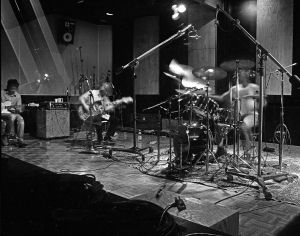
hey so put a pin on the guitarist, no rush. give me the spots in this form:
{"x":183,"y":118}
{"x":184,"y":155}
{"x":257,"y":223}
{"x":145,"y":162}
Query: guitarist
{"x":100,"y":97}
{"x":11,"y":95}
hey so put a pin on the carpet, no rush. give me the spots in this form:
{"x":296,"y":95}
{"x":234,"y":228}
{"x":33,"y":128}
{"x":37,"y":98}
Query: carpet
{"x":282,"y":189}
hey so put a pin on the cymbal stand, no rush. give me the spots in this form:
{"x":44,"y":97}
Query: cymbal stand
{"x":207,"y":150}
{"x":179,"y":113}
{"x":236,"y":140}
{"x":236,"y":119}
{"x":282,"y":127}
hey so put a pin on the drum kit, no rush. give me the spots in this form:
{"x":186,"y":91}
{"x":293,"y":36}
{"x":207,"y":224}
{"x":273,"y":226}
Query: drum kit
{"x":193,"y":140}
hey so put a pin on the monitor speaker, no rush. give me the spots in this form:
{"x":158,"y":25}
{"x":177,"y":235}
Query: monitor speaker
{"x":66,"y":32}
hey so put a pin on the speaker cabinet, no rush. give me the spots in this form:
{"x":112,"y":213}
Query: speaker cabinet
{"x":66,"y":32}
{"x":53,"y":123}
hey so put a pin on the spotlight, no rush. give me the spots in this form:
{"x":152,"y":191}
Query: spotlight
{"x":176,"y":15}
{"x":181,"y":8}
{"x":178,"y":9}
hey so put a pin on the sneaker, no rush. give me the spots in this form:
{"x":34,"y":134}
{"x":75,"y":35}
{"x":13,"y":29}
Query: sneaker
{"x":21,"y":143}
{"x":4,"y":141}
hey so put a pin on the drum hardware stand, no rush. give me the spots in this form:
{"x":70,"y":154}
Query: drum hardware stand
{"x":236,"y":141}
{"x":207,"y":149}
{"x":262,"y":54}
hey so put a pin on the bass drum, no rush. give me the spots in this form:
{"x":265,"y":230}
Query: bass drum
{"x":189,"y":140}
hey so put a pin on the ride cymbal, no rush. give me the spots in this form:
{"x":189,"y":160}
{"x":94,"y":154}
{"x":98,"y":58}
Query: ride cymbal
{"x":242,"y":64}
{"x":208,"y":72}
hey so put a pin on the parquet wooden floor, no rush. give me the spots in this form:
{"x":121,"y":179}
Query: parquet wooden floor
{"x":257,"y":215}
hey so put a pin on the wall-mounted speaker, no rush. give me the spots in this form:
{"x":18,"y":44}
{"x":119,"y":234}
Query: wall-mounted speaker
{"x":66,"y":32}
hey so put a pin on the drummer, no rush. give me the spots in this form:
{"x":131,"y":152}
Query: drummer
{"x":247,"y":108}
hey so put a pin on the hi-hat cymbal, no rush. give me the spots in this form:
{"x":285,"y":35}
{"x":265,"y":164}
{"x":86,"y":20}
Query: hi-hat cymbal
{"x":208,"y":72}
{"x":242,"y":64}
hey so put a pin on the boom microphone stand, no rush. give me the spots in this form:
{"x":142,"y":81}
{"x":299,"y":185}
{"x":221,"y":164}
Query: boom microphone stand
{"x":283,"y":129}
{"x":134,"y":64}
{"x":263,"y":54}
{"x":91,"y":149}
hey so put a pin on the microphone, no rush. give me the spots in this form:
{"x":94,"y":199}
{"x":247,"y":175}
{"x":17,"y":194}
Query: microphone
{"x":279,"y":70}
{"x":119,"y":70}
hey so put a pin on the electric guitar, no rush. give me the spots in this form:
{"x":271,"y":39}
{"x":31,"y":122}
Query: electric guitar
{"x":99,"y":109}
{"x":6,"y":107}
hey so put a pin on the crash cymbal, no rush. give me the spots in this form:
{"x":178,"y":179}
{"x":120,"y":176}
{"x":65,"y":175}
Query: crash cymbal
{"x":185,"y":72}
{"x":231,"y":65}
{"x":208,"y":72}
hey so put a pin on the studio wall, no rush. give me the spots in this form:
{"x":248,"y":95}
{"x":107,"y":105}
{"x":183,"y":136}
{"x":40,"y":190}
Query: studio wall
{"x":31,"y":50}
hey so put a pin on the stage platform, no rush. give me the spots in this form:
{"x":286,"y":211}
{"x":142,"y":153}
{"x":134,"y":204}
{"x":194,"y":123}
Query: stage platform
{"x":117,"y":174}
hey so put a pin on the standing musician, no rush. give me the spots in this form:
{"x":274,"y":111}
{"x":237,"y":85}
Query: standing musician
{"x":100,"y":97}
{"x":245,"y":109}
{"x":12,"y":99}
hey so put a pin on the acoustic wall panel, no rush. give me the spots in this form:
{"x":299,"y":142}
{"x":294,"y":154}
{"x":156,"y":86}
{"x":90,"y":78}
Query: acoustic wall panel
{"x":275,"y":34}
{"x":146,"y":36}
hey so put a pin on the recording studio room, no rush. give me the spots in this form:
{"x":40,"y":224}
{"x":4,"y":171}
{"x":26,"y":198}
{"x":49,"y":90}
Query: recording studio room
{"x":150,"y":117}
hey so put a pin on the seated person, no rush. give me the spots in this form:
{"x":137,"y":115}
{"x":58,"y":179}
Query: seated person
{"x":102,"y":105}
{"x":11,"y":104}
{"x":247,"y":107}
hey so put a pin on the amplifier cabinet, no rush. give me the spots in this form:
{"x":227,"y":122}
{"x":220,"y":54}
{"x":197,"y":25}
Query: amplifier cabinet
{"x":53,"y":123}
{"x":148,"y":122}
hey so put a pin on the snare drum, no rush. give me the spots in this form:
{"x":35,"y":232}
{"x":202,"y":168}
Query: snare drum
{"x":190,"y":140}
{"x":204,"y":104}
